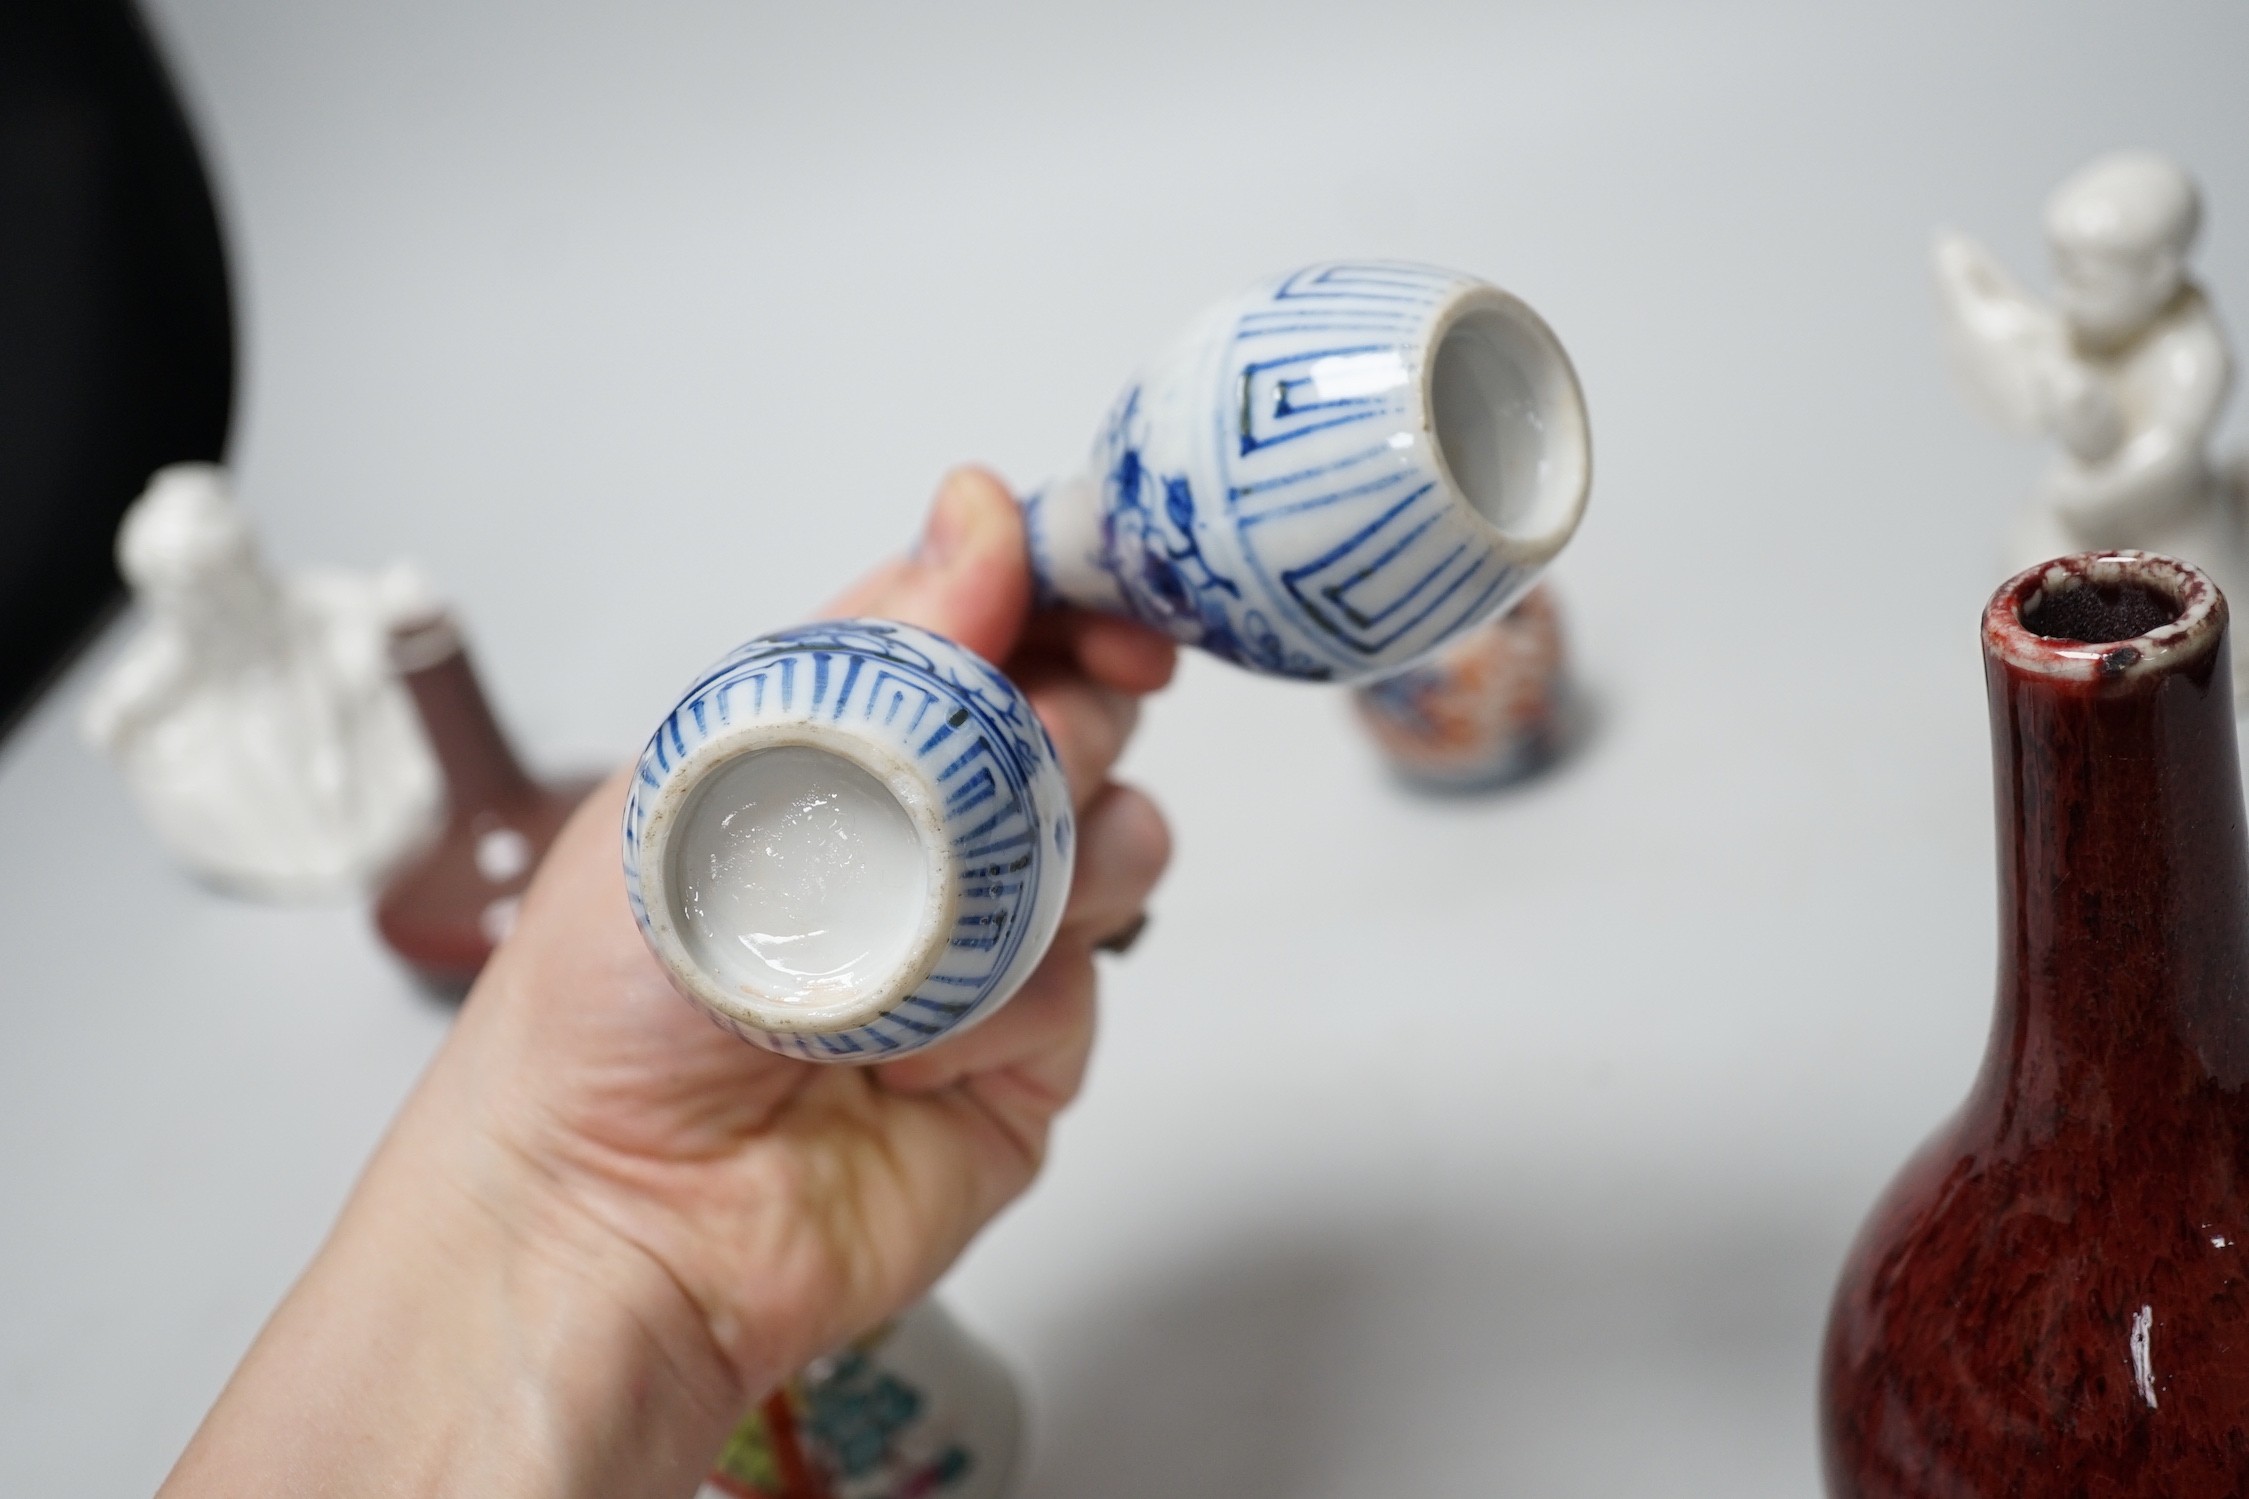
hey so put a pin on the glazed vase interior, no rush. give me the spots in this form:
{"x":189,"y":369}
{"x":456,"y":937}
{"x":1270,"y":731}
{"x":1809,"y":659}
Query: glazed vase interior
{"x":799,"y":879}
{"x":1505,"y":414}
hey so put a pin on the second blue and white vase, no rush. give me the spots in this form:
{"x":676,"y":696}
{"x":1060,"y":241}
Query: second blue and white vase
{"x":848,"y":840}
{"x":1330,"y":475}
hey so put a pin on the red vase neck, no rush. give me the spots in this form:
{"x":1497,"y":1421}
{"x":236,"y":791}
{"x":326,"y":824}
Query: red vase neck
{"x":2123,"y":874}
{"x":480,"y":768}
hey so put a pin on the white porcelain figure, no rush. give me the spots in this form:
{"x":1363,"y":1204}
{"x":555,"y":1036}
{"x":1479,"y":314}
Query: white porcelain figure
{"x":255,"y":718}
{"x":849,"y":839}
{"x":1330,"y":475}
{"x":919,"y":1410}
{"x":2127,"y":371}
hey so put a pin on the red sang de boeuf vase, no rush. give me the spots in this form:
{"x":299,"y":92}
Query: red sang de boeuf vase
{"x":2053,"y":1297}
{"x":447,"y":907}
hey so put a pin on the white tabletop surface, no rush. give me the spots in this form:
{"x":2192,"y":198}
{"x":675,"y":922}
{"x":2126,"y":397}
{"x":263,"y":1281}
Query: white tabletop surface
{"x":1498,"y":1147}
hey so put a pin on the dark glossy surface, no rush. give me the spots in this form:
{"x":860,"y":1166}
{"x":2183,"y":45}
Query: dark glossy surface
{"x":447,"y":908}
{"x":2051,"y":1298}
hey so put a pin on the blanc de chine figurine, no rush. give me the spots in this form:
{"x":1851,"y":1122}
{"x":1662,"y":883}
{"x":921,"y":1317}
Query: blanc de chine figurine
{"x":2126,"y":370}
{"x":256,"y":718}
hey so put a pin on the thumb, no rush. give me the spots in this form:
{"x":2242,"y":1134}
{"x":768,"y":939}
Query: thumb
{"x":968,"y":577}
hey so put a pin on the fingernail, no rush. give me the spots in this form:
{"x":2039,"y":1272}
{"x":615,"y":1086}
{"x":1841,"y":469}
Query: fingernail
{"x":944,"y":531}
{"x":1121,"y":940}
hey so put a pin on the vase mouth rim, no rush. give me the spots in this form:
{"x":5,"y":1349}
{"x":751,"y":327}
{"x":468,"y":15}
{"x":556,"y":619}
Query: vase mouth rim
{"x":755,"y":1003}
{"x":2137,"y":643}
{"x":1544,"y":511}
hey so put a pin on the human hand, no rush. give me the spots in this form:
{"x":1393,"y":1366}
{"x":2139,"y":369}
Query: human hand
{"x":639,"y":1223}
{"x":800,"y":1203}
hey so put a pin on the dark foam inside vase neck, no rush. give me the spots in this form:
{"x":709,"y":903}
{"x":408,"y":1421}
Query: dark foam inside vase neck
{"x":2098,"y":613}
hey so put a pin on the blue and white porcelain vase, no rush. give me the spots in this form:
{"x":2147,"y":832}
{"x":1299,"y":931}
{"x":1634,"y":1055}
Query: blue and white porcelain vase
{"x":1330,"y":476}
{"x":848,"y":840}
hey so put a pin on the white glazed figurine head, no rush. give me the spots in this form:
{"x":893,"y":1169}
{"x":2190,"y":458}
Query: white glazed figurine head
{"x":2120,"y":229}
{"x":186,"y":549}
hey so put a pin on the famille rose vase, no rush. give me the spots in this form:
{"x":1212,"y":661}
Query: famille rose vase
{"x":2053,"y":1298}
{"x":919,"y":1410}
{"x":848,"y":840}
{"x":1330,"y":475}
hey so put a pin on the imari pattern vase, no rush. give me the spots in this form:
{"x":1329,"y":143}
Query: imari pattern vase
{"x":1330,"y":475}
{"x":1487,"y":709}
{"x":848,"y":840}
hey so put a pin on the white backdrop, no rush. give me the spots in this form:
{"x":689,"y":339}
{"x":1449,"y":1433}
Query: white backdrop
{"x":644,"y":325}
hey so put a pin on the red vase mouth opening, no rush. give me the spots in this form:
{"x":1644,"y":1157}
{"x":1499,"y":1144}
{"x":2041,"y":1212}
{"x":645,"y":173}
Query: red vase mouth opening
{"x":2102,"y":616}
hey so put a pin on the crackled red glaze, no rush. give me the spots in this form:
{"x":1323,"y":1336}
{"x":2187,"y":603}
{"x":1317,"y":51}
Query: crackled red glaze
{"x":2053,"y":1297}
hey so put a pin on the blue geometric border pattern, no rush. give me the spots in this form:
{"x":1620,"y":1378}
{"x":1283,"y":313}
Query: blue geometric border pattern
{"x":1269,"y":490}
{"x":986,"y":759}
